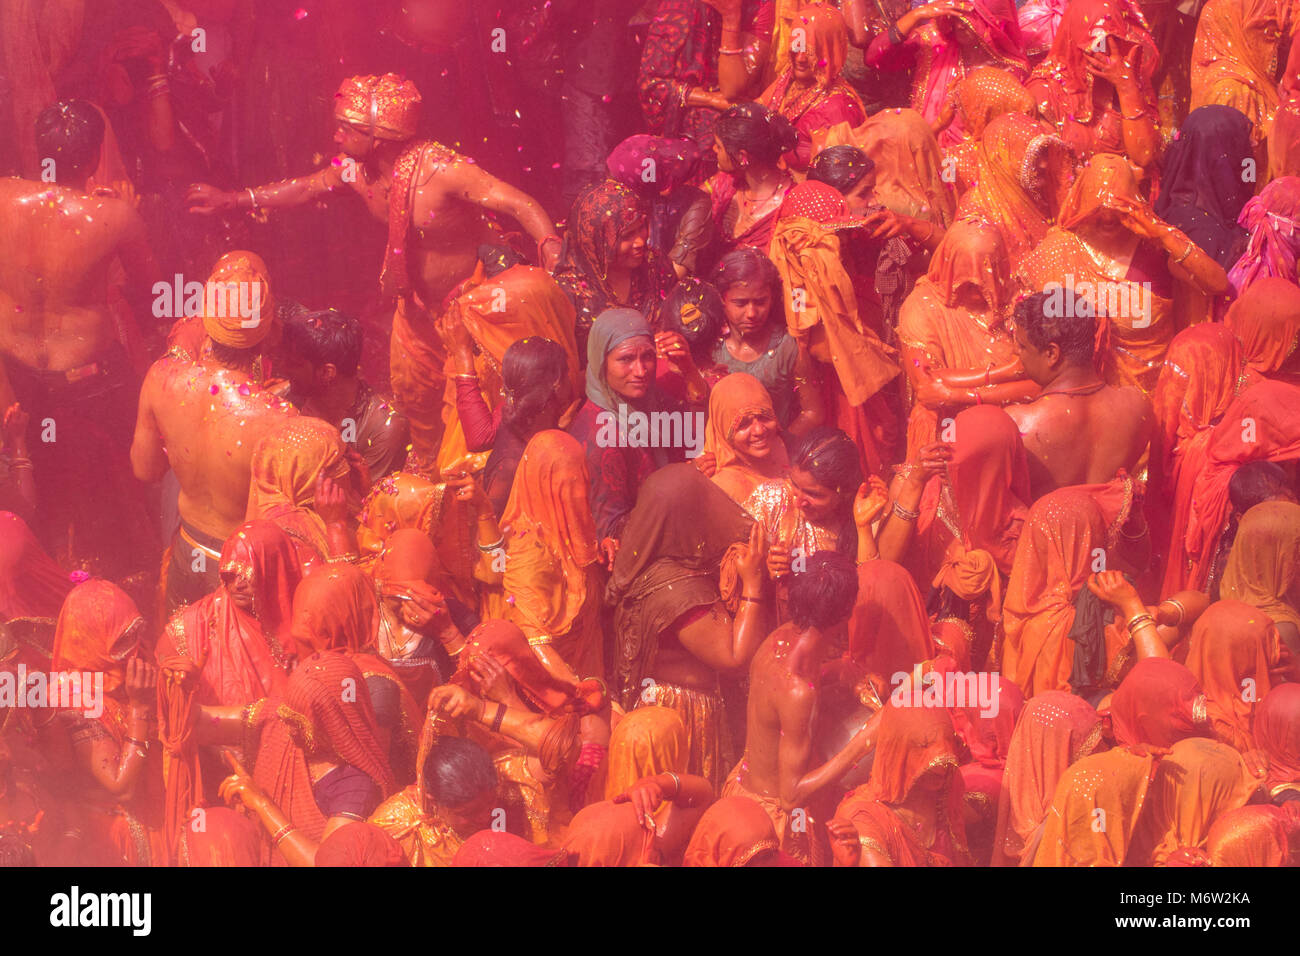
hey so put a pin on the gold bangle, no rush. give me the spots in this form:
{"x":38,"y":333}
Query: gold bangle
{"x":281,"y":834}
{"x":1182,"y":611}
{"x":1186,"y":252}
{"x":1140,"y":620}
{"x":677,"y":780}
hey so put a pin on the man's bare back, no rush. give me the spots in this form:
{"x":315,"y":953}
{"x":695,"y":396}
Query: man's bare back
{"x":780,"y":712}
{"x":59,"y":244}
{"x":1077,"y":439}
{"x":208,"y":419}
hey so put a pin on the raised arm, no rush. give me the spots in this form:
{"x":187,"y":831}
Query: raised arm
{"x":473,"y":185}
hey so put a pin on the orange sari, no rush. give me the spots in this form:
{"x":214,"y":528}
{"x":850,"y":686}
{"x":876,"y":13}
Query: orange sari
{"x":1141,"y":322}
{"x":1264,"y":566}
{"x":1234,"y":59}
{"x":1114,"y":782}
{"x":913,"y":742}
{"x":551,"y":572}
{"x":983,"y":96}
{"x":1000,"y":196}
{"x":909,"y":165}
{"x":1194,"y":783}
{"x":403,"y":500}
{"x":947,"y":333}
{"x":889,"y":631}
{"x":1055,"y":730}
{"x":647,"y":741}
{"x":732,"y":832}
{"x":734,"y":397}
{"x":98,"y":630}
{"x":1230,"y":651}
{"x":1057,"y":551}
{"x":608,"y":834}
{"x":286,"y":464}
{"x":520,"y":302}
{"x":1277,"y":735}
{"x":1266,"y":320}
{"x":1253,"y":836}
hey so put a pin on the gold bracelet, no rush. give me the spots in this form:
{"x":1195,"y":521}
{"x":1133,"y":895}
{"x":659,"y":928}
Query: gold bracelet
{"x":1182,"y":611}
{"x":1186,"y":252}
{"x":1140,"y":620}
{"x":677,"y":780}
{"x":281,"y":834}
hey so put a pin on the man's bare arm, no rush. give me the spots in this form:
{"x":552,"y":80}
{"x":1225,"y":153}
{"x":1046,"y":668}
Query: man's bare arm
{"x":206,"y":199}
{"x":795,"y":792}
{"x":148,"y":454}
{"x":466,"y":181}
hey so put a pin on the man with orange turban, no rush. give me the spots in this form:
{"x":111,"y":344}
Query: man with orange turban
{"x":201,"y":417}
{"x":435,"y":203}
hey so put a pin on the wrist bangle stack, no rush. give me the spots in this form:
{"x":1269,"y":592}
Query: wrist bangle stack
{"x":493,"y":547}
{"x":280,"y":834}
{"x":906,"y":513}
{"x":1182,"y":611}
{"x":1140,"y":620}
{"x":497,"y":720}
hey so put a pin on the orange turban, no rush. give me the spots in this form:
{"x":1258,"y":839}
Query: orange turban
{"x":237,"y":307}
{"x":386,"y":107}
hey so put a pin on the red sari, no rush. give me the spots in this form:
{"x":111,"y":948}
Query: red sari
{"x":1159,"y":703}
{"x":314,"y":721}
{"x":31,"y":583}
{"x":1263,"y":424}
{"x":242,"y":656}
{"x":1277,"y":734}
{"x":1266,"y":320}
{"x":889,"y":631}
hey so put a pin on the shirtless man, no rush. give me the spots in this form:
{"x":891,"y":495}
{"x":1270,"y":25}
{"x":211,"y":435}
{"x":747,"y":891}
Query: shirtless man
{"x":1079,"y":430}
{"x":436,"y":223}
{"x":776,"y":768}
{"x":203,"y":419}
{"x":60,"y":346}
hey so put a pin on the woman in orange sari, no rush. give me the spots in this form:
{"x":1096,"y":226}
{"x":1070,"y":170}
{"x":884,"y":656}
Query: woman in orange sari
{"x":889,"y":631}
{"x":1198,"y":381}
{"x":854,"y":364}
{"x":968,"y":525}
{"x":743,"y":436}
{"x":1232,"y":647}
{"x":404,"y":500}
{"x":114,"y":786}
{"x":1112,"y":250}
{"x":1234,"y":60}
{"x":1115,"y":783}
{"x":811,"y":94}
{"x":1023,"y":172}
{"x":492,"y":313}
{"x":289,"y":465}
{"x":239,"y":635}
{"x":1196,"y":782}
{"x":953,"y":330}
{"x":1055,"y":730}
{"x":1054,"y":559}
{"x":981,"y":97}
{"x":1101,"y":101}
{"x":1277,"y":735}
{"x":909,"y":167}
{"x":910,"y":813}
{"x":1266,"y":320}
{"x":1263,"y":568}
{"x":552,"y":577}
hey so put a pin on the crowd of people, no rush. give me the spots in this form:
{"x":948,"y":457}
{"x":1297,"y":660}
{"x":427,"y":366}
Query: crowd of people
{"x":650,"y":432}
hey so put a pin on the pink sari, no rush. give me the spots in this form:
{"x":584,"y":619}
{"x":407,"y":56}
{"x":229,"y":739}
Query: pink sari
{"x":1273,"y":220}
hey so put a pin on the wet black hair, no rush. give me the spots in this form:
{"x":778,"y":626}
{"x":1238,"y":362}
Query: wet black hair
{"x":531,"y":371}
{"x":70,"y":133}
{"x":458,"y":771}
{"x":1256,"y":482}
{"x":841,"y":167}
{"x":823,"y":594}
{"x":694,"y":308}
{"x":322,"y":337}
{"x":747,"y":265}
{"x":756,"y":130}
{"x":831,"y":457}
{"x":497,"y":259}
{"x":1059,"y":317}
